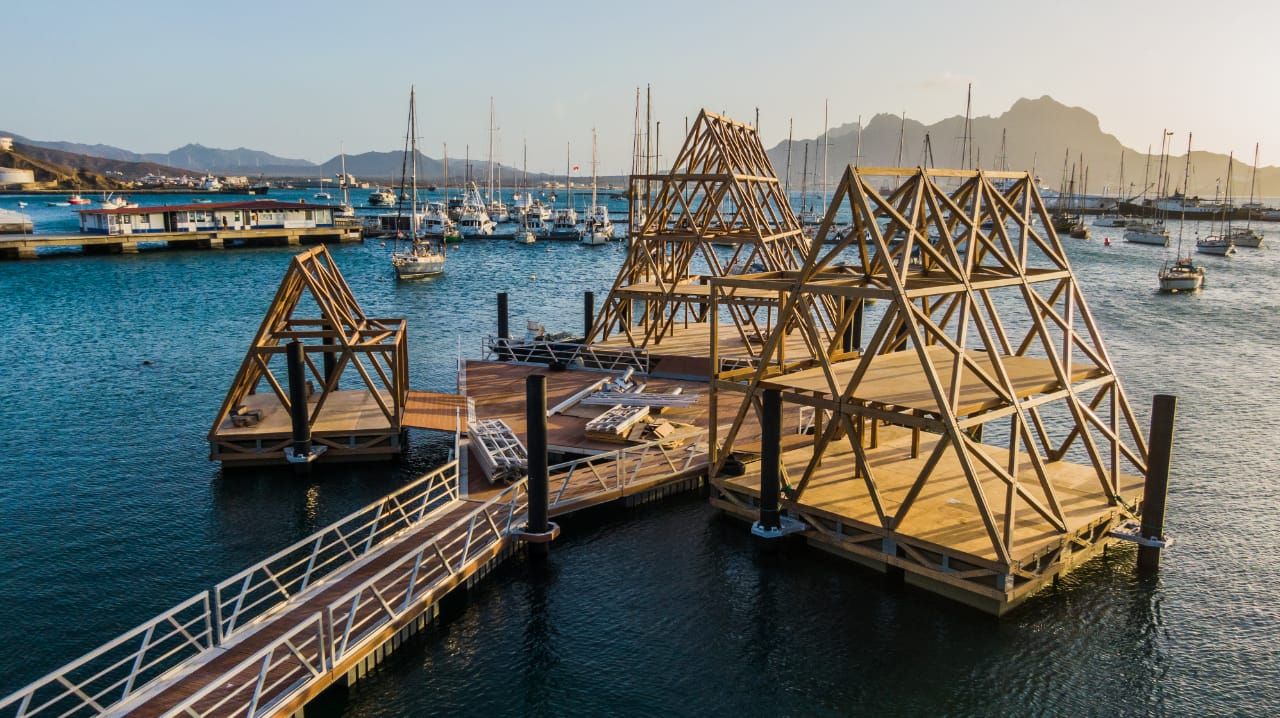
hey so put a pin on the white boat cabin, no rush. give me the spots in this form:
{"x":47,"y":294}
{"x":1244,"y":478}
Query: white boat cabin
{"x":260,"y":214}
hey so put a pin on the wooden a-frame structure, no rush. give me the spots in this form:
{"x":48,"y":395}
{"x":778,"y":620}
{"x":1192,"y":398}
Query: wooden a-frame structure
{"x":721,"y":190}
{"x":978,"y":323}
{"x":362,"y":422}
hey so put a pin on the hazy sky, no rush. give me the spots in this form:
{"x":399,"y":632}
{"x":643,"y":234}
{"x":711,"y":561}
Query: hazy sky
{"x":296,"y":78}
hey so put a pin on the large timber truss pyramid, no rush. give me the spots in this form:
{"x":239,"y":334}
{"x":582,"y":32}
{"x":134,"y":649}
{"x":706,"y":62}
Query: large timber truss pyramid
{"x":721,"y":190}
{"x":978,"y":322}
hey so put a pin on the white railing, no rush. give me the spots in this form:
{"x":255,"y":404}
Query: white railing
{"x":540,"y":351}
{"x":119,"y":669}
{"x":258,"y":683}
{"x":269,"y":584}
{"x":616,"y":470}
{"x":395,"y":591}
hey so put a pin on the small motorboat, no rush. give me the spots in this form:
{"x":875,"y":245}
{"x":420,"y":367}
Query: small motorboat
{"x":525,"y":236}
{"x":22,"y":205}
{"x":77,"y":199}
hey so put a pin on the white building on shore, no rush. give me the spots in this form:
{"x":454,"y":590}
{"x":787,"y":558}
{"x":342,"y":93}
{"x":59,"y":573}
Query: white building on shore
{"x":208,"y":217}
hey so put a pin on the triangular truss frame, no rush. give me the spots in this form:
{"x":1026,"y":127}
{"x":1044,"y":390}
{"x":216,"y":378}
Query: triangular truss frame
{"x":376,"y":350}
{"x":949,"y":252}
{"x":721,"y":190}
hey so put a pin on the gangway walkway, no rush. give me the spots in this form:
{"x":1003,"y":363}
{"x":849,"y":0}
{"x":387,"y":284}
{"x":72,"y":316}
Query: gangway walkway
{"x":267,"y":640}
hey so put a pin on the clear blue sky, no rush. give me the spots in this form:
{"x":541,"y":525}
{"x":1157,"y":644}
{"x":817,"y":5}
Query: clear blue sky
{"x":296,"y":78}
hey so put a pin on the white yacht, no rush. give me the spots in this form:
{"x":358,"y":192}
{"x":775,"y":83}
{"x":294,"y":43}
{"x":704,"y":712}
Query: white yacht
{"x":436,"y":222}
{"x":1218,"y":246}
{"x":498,"y":211}
{"x":1245,"y":237}
{"x":565,"y":224}
{"x":475,"y":222}
{"x":382,"y":198}
{"x":210,"y":184}
{"x":1144,"y":232}
{"x":535,"y":223}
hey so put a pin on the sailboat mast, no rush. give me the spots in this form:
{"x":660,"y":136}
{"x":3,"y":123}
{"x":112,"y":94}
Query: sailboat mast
{"x":1146,"y":176}
{"x":489,"y":189}
{"x":445,"y":150}
{"x":346,"y":199}
{"x":966,"y":147}
{"x":1186,"y":177}
{"x":1120,"y":187}
{"x":1253,"y":176}
{"x":593,"y":170}
{"x":804,"y":182}
{"x":902,"y":130}
{"x":857,"y":152}
{"x":826,"y":148}
{"x":413,"y":152}
{"x":786,"y":180}
{"x":568,"y":183}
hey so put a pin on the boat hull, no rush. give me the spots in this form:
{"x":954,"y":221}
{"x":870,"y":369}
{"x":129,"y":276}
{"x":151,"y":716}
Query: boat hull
{"x":1217,"y":250}
{"x":1156,"y":239}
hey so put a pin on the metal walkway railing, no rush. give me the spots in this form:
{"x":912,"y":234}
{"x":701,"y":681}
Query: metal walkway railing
{"x":138,"y":659}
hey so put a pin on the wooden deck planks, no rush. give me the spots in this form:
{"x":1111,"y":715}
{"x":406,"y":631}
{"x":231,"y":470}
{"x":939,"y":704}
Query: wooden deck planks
{"x":898,"y":379}
{"x":431,"y":410}
{"x":944,"y":515}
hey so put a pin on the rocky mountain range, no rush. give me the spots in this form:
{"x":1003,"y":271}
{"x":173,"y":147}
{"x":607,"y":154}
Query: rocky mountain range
{"x":1037,"y":135}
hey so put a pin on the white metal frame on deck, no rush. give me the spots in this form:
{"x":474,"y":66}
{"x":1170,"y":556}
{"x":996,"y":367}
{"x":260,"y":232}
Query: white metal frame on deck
{"x":536,"y":351}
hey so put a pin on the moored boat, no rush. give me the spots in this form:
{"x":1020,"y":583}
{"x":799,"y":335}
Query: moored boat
{"x":1184,"y":275}
{"x":382,"y":198}
{"x":1218,"y":246}
{"x":422,"y":259}
{"x":1143,"y":232}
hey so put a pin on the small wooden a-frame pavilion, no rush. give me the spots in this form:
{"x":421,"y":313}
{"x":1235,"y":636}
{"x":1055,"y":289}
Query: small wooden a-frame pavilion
{"x":979,"y":441}
{"x":356,"y":394}
{"x":721,"y":191}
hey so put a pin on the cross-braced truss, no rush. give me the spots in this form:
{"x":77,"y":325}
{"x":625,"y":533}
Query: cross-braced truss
{"x":374,"y":349}
{"x":980,"y":323}
{"x":721,"y":190}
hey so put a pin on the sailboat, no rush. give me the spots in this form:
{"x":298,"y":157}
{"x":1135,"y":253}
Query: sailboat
{"x":437,"y":222}
{"x":1247,"y":236}
{"x":497,"y":209}
{"x":1153,"y":232}
{"x":599,"y":228}
{"x":345,"y":209}
{"x":809,"y":216}
{"x":565,"y":223}
{"x":525,"y":235}
{"x":1113,"y":218}
{"x":1184,"y":275}
{"x":1221,"y":245}
{"x":422,"y":259}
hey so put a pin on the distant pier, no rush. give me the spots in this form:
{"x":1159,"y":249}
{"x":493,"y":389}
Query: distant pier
{"x":29,"y":246}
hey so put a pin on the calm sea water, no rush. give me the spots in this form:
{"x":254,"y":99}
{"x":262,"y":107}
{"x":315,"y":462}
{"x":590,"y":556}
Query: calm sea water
{"x":110,"y":512}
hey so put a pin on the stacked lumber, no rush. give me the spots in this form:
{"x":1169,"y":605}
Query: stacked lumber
{"x":502,"y":456}
{"x":616,"y":423}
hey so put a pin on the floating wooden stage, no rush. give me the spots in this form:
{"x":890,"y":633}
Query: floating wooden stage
{"x":29,"y":246}
{"x":351,"y":423}
{"x":942,"y":546}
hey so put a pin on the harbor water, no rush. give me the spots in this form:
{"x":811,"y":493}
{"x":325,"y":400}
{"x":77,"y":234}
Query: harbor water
{"x":112,"y":368}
